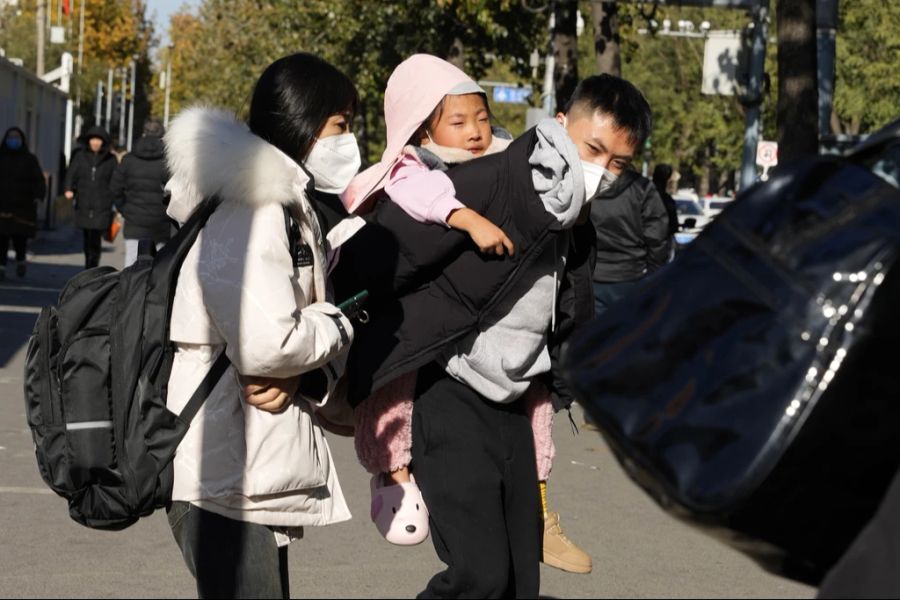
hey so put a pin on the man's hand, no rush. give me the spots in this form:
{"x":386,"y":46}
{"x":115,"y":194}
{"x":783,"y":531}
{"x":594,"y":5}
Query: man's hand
{"x":69,"y":195}
{"x":489,"y":238}
{"x":270,"y":394}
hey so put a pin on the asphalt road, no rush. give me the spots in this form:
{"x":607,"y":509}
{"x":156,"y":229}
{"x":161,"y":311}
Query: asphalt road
{"x":638,"y":550}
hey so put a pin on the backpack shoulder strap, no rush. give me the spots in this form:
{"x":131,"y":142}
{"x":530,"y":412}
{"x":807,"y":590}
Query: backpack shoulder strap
{"x":205,"y":388}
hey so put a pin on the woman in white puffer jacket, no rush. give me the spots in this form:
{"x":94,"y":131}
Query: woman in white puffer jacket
{"x":254,"y":467}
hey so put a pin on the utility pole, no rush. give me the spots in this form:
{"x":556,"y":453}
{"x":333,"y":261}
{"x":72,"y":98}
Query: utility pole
{"x":124,"y":88}
{"x":826,"y":33}
{"x":98,"y":105}
{"x":133,"y":98}
{"x":109,"y":100}
{"x":549,"y":68}
{"x":753,"y":99}
{"x":80,"y":71}
{"x":41,"y":30}
{"x":168,"y":88}
{"x":81,"y":39}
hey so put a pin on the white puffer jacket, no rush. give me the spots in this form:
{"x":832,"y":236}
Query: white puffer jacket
{"x":239,"y":289}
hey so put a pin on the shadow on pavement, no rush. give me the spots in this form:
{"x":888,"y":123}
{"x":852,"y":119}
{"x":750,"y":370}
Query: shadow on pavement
{"x":54,"y":257}
{"x":60,"y":241}
{"x":15,"y":327}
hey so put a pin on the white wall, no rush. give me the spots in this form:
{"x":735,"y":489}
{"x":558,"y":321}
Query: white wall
{"x":39,"y":109}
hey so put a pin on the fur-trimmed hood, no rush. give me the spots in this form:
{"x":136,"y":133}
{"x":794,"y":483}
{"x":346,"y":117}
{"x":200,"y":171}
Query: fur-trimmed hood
{"x":210,"y":152}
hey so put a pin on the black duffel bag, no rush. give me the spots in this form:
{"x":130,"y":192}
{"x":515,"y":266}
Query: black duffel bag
{"x":752,"y":387}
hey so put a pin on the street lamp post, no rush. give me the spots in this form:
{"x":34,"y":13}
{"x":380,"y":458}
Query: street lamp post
{"x":168,"y":86}
{"x":98,"y":105}
{"x":753,"y":101}
{"x":109,"y":100}
{"x":549,"y":97}
{"x":124,"y":88}
{"x":133,"y":98}
{"x":41,"y":28}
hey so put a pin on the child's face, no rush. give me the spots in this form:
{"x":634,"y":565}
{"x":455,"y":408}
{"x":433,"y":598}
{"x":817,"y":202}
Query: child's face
{"x":464,"y":123}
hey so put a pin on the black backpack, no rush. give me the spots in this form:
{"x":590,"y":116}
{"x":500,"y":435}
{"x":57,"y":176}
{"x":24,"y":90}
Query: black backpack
{"x":752,"y":386}
{"x":96,"y":377}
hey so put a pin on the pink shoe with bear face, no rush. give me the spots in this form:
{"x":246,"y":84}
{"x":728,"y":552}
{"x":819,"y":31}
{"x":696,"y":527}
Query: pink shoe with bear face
{"x":399,"y":512}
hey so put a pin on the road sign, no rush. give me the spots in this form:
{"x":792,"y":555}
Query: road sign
{"x":511,"y":95}
{"x":767,"y":154}
{"x":722,"y":59}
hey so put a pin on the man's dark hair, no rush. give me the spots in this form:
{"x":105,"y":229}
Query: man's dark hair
{"x":617,"y":98}
{"x":154,"y":127}
{"x":293,"y":100}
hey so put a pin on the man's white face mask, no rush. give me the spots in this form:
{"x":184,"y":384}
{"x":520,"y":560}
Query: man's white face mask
{"x":597,"y":179}
{"x":333,"y":161}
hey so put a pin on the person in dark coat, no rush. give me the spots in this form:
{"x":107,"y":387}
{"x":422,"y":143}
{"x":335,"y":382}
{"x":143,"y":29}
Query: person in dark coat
{"x":661,"y":176}
{"x":633,"y":236}
{"x":138,"y":188}
{"x":88,"y":182}
{"x":21,"y":184}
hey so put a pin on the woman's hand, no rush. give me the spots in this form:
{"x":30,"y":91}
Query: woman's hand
{"x":489,"y":238}
{"x":270,"y":394}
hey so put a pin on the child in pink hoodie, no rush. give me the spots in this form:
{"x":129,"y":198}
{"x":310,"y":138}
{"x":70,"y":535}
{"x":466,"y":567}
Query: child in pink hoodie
{"x":436,"y":116}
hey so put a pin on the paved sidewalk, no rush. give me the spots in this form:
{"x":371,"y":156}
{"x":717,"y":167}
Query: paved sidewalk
{"x":638,"y":550}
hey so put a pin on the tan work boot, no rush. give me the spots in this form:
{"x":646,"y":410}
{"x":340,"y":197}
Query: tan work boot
{"x":560,"y":552}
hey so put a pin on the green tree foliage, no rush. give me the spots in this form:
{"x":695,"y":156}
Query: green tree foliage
{"x":867,"y":83}
{"x":232,"y":41}
{"x":222,"y":48}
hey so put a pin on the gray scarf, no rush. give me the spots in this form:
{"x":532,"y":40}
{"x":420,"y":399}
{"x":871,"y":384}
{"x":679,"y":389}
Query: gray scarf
{"x":556,"y":172}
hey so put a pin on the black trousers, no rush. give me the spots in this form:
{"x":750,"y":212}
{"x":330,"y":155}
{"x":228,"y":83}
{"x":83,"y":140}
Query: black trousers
{"x":20,"y":244}
{"x":93,"y":242}
{"x":474,"y":462}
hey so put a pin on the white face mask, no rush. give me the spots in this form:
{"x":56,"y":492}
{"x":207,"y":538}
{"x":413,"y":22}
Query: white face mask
{"x":333,"y":161}
{"x":597,"y":179}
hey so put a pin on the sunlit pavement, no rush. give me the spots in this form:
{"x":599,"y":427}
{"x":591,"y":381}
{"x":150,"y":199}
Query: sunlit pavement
{"x":638,"y":550}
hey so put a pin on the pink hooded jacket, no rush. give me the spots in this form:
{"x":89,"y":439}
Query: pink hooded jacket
{"x":415,"y":88}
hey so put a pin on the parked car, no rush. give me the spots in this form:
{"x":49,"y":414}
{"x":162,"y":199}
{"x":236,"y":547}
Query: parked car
{"x":713,"y":205}
{"x":691,"y":216}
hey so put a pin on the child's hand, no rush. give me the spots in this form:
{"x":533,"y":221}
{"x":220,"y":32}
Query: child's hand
{"x":489,"y":238}
{"x":270,"y":394}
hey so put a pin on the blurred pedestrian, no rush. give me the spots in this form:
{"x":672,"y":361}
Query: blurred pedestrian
{"x":22,"y":183}
{"x":633,"y":231}
{"x":662,"y":174}
{"x":88,"y":183}
{"x":138,"y":188}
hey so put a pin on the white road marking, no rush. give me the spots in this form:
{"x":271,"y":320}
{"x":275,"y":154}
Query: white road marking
{"x":31,"y":310}
{"x":26,"y":490}
{"x":29,"y":288}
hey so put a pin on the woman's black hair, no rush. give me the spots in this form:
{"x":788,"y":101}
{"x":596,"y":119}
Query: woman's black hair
{"x":293,"y":100}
